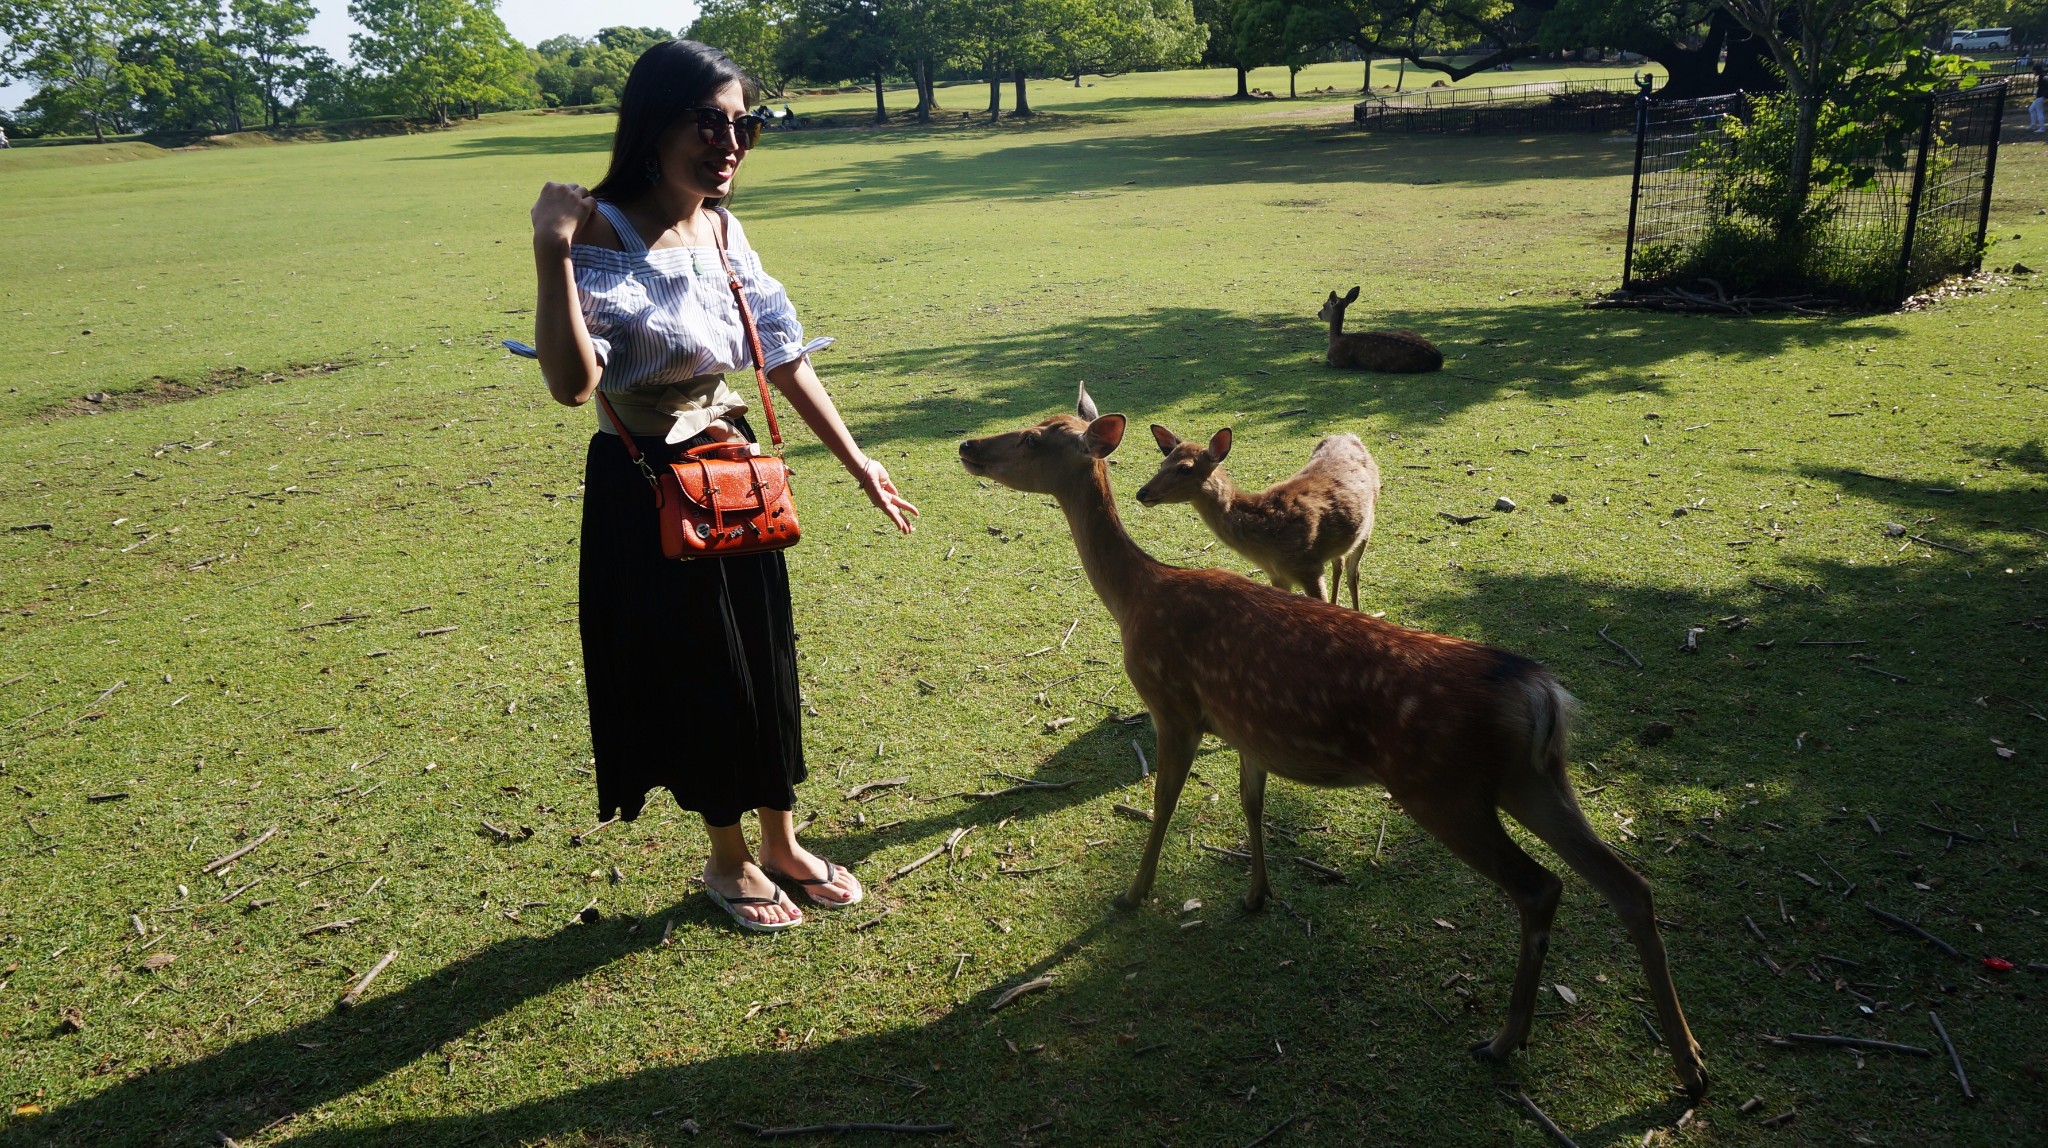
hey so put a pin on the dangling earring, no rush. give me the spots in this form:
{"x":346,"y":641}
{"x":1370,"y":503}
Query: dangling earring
{"x":652,"y":169}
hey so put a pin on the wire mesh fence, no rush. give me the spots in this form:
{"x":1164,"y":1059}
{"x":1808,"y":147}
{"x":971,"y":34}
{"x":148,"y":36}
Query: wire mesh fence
{"x":1556,"y":105}
{"x":1897,"y":205}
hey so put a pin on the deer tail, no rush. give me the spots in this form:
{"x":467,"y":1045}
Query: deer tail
{"x":1550,"y":720}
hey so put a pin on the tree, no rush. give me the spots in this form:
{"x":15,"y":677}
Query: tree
{"x":751,"y":32}
{"x":70,"y":49}
{"x":1218,"y":18}
{"x":1686,"y":37}
{"x":432,"y":55}
{"x":1852,"y":52}
{"x":1107,"y":37}
{"x":839,"y":40}
{"x":269,"y":35}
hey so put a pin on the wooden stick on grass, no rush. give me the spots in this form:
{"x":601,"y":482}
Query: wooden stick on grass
{"x":830,"y":1129}
{"x":1631,"y":657}
{"x":349,"y":999}
{"x":1545,"y":1121}
{"x":1952,"y":1056}
{"x":1914,"y":929}
{"x":225,"y":860}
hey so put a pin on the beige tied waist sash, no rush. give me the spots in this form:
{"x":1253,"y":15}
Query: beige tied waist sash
{"x":675,"y":412}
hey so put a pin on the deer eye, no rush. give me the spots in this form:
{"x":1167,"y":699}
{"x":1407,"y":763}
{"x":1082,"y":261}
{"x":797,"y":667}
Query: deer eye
{"x":1031,"y":438}
{"x":1185,"y":467}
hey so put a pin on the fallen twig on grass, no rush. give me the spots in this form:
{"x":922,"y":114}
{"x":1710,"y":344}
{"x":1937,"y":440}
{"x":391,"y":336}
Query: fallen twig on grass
{"x":1952,"y":1056}
{"x":952,"y":839}
{"x":341,"y":926}
{"x":1955,"y":833}
{"x":1025,"y":787}
{"x":349,"y":999}
{"x":1320,"y":869}
{"x":830,"y":1129}
{"x":1010,"y":994}
{"x":1790,"y":1038}
{"x":871,"y":786}
{"x":580,"y":838}
{"x":1132,"y":811}
{"x":1624,"y":649}
{"x":1275,"y":1130}
{"x":1914,"y":929}
{"x":225,"y":860}
{"x":1545,"y":1121}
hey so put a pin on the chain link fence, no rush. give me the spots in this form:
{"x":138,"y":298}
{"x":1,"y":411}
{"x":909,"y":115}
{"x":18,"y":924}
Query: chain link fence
{"x":1904,"y":207}
{"x":1551,"y":106}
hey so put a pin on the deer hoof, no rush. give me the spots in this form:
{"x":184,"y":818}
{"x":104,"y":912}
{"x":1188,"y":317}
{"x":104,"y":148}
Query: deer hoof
{"x":1484,"y":1051}
{"x":1254,"y":903}
{"x":1125,"y":902}
{"x":1693,"y":1078}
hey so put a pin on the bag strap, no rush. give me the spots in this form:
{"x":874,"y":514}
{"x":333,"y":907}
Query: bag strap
{"x":632,"y":448}
{"x":747,"y":320}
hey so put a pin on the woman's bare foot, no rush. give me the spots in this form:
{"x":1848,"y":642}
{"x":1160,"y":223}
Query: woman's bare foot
{"x":747,"y":880}
{"x":826,"y":883}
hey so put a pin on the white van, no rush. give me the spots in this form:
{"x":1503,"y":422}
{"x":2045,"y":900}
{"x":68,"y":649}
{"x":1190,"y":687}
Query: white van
{"x":1979,"y":39}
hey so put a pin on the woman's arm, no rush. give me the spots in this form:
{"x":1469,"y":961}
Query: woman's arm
{"x":567,"y":360}
{"x":802,"y":387}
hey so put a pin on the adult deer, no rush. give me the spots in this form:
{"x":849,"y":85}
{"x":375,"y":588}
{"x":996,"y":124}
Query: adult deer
{"x":1393,"y":351}
{"x":1311,"y":691}
{"x":1321,"y":516}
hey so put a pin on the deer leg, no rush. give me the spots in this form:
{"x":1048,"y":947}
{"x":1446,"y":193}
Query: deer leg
{"x":1251,"y":793}
{"x":1552,"y":813}
{"x":1337,"y":581}
{"x":1351,"y":562}
{"x":1475,"y":836}
{"x":1177,"y":743}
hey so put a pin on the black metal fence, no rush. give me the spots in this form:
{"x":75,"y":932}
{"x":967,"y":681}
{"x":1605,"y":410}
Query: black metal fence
{"x":1556,"y":105}
{"x":1699,"y":211}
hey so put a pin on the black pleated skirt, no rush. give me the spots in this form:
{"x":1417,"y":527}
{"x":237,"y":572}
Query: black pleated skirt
{"x":690,"y":666}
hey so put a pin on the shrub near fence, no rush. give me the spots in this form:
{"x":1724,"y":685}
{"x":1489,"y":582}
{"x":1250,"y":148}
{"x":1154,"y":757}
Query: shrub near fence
{"x":1560,"y":105}
{"x":1692,"y":214}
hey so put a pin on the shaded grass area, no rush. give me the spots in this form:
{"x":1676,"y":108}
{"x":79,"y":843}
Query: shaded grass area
{"x":236,"y":617}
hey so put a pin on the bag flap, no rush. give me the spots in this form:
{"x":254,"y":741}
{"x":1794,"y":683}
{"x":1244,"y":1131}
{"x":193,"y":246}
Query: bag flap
{"x":731,"y":482}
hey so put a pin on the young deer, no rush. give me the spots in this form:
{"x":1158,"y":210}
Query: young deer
{"x":1291,"y":530}
{"x":1402,"y":352}
{"x":1327,"y":696}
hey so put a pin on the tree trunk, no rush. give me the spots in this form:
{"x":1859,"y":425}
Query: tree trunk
{"x":1242,"y":72}
{"x":1401,"y":77}
{"x":1365,"y":86}
{"x":995,"y":92}
{"x":921,"y":72}
{"x":1023,"y":102}
{"x":1291,"y":70}
{"x":881,"y":108}
{"x":1799,"y":176}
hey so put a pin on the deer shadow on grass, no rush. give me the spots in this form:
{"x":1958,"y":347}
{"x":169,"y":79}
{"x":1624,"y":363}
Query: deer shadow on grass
{"x":1273,"y":362}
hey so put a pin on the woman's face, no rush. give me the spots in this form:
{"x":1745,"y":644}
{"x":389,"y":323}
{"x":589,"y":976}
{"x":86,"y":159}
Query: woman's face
{"x":705,"y":166}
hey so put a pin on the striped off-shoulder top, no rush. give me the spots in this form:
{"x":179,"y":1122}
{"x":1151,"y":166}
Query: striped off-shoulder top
{"x":666,"y":330}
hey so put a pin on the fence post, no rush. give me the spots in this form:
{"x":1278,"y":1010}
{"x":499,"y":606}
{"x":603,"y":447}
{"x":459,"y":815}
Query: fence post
{"x":1913,"y":199}
{"x":1990,"y":169}
{"x":1635,"y":189}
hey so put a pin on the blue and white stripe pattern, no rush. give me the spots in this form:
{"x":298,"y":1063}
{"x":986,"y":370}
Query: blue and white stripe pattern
{"x":660,"y":318}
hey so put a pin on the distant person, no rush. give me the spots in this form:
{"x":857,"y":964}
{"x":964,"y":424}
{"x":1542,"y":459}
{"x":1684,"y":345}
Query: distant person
{"x":2037,"y":121}
{"x":690,"y":666}
{"x":3,"y":139}
{"x":1645,"y":81}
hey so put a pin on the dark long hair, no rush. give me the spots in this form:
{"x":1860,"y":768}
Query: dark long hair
{"x":667,"y":81}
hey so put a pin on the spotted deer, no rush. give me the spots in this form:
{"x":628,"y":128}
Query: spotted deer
{"x":1399,"y":352}
{"x":1322,"y":516}
{"x":1454,"y":730}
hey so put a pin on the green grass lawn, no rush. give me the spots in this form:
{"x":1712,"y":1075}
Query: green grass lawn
{"x":307,"y":563}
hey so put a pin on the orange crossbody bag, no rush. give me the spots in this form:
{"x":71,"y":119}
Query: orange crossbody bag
{"x":721,"y":500}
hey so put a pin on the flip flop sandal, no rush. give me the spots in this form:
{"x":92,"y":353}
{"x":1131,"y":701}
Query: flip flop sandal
{"x":730,"y":905}
{"x":832,"y":872}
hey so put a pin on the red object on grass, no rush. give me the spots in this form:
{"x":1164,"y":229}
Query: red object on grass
{"x":1998,"y":964}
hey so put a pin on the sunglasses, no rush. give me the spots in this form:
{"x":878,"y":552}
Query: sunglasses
{"x":713,"y":124}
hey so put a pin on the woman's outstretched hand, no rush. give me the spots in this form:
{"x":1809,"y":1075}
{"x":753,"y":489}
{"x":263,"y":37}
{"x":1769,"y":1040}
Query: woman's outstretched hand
{"x":882,"y":492}
{"x":560,"y":210}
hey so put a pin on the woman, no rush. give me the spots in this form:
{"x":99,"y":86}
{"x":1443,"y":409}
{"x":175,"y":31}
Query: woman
{"x":690,"y":666}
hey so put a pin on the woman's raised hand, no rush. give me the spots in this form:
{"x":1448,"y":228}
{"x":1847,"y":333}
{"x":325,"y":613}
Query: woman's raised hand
{"x":560,"y":210}
{"x":882,"y":492}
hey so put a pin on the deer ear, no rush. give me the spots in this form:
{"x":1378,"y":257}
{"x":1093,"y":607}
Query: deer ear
{"x":1351,"y":296}
{"x":1103,"y":435}
{"x":1086,"y":407}
{"x":1219,"y":444}
{"x":1166,"y":439}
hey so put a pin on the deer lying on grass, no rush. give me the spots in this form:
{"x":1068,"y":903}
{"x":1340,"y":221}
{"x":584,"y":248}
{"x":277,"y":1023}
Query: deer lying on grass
{"x":1291,"y":530}
{"x":1327,"y":696}
{"x":1400,"y":352}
